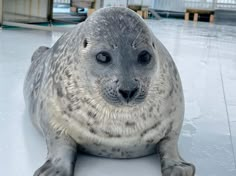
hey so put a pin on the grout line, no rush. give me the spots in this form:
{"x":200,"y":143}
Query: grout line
{"x":227,"y":112}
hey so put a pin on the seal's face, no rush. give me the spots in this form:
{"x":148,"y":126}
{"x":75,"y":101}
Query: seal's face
{"x":125,"y":77}
{"x":121,"y":56}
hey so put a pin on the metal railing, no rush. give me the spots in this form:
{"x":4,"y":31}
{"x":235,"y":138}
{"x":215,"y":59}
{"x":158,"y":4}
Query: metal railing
{"x":62,"y":1}
{"x":181,"y":5}
{"x":225,"y":4}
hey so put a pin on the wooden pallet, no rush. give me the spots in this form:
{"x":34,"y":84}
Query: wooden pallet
{"x":198,"y":12}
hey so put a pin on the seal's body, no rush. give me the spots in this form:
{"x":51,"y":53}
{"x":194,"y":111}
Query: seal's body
{"x":108,"y":88}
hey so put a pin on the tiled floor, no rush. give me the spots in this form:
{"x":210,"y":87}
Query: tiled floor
{"x":206,"y":57}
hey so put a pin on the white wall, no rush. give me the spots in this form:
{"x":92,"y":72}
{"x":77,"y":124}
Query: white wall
{"x":35,"y":8}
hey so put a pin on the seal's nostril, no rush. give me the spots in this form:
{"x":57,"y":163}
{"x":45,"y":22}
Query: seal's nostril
{"x":124,"y":93}
{"x":128,"y":94}
{"x":133,"y":93}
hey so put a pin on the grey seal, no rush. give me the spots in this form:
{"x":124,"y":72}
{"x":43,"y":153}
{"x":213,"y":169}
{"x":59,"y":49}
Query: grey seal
{"x":107,"y":88}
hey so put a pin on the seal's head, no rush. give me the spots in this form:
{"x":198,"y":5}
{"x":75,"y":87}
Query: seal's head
{"x":119,"y":50}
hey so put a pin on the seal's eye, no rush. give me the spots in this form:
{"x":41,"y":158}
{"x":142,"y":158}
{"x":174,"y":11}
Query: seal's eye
{"x":103,"y":57}
{"x":144,"y":58}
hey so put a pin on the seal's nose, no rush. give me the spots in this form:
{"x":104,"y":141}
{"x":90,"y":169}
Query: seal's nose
{"x":128,"y":95}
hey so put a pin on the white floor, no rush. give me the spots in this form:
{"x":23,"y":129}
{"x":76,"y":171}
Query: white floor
{"x":206,"y":57}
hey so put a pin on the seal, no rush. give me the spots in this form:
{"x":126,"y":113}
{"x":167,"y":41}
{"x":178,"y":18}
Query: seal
{"x":107,"y":88}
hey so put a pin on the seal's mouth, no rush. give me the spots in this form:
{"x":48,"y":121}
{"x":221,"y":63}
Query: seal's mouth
{"x":124,"y":97}
{"x":120,"y":93}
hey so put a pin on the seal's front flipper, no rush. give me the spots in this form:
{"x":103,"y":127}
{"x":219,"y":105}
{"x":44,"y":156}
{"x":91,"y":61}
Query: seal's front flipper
{"x":62,"y":152}
{"x":39,"y":52}
{"x":171,"y":162}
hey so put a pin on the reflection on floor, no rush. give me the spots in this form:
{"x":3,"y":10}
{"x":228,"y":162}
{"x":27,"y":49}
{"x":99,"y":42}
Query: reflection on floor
{"x":205,"y":55}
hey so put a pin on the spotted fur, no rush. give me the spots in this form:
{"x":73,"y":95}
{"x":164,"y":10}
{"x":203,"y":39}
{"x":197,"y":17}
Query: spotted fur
{"x":67,"y":105}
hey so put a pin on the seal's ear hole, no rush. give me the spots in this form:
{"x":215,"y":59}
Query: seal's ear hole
{"x":153,"y":45}
{"x":85,"y":43}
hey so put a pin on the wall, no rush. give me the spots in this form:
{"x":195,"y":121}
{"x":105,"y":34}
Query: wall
{"x":33,"y":8}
